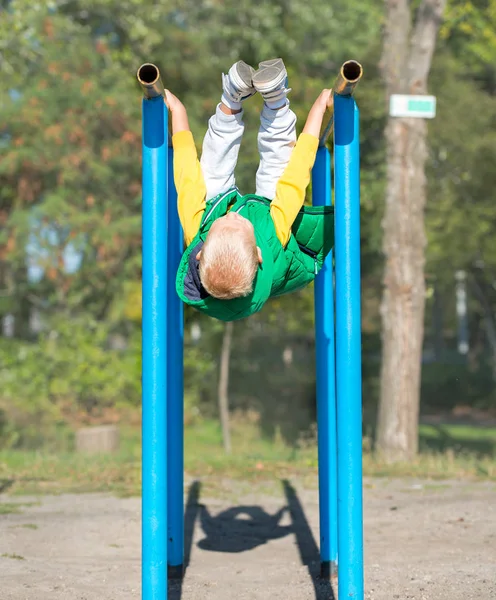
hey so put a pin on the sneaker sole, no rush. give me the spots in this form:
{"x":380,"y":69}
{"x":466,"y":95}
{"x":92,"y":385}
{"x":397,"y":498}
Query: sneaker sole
{"x":242,"y":77}
{"x":270,"y":75}
{"x":270,"y":63}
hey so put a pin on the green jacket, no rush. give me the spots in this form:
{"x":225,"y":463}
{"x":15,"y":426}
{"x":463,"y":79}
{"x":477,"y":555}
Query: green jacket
{"x":283,"y":270}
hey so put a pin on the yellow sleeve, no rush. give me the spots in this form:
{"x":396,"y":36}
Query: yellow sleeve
{"x":291,"y":188}
{"x":190,"y":184}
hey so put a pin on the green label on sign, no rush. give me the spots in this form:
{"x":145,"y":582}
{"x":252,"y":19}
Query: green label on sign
{"x":420,"y":105}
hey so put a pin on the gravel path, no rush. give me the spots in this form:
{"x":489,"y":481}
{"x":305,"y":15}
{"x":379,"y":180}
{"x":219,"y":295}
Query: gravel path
{"x":423,"y":541}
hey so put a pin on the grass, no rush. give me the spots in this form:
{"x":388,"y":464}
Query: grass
{"x":7,"y":508}
{"x":14,"y":556}
{"x":448,"y":453}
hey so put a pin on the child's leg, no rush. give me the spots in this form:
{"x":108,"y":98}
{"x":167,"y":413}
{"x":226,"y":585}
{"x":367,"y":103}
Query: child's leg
{"x":276,"y":140}
{"x":220,"y":151}
{"x":225,"y":130}
{"x":277,"y":133}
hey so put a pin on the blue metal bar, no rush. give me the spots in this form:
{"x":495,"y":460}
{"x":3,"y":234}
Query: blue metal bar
{"x":175,"y":408}
{"x":326,"y":385}
{"x":348,"y":346}
{"x":154,"y":352}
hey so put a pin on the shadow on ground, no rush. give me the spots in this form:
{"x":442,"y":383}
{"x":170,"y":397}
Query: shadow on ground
{"x":243,"y":528}
{"x":307,"y":546}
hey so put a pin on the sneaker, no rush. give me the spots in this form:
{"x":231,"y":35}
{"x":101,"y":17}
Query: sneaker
{"x":237,"y":84}
{"x":271,"y":80}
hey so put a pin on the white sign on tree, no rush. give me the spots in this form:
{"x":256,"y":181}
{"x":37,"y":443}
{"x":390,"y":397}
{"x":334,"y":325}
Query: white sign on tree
{"x":420,"y":107}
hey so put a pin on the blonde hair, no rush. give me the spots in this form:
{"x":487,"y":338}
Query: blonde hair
{"x":228,"y":263}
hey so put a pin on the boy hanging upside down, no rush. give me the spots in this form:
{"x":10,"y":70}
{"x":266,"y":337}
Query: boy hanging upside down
{"x":242,"y":250}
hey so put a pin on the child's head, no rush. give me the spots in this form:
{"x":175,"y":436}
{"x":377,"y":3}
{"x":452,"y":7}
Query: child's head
{"x":229,"y":258}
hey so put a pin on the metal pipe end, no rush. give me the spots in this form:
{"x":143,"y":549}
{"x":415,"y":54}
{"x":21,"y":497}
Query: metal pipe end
{"x":149,"y":78}
{"x":349,"y":76}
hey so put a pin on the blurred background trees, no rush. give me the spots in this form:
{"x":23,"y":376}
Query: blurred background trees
{"x":70,"y":200}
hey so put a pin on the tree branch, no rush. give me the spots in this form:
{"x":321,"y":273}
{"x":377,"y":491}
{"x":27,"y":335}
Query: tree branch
{"x":423,"y":44}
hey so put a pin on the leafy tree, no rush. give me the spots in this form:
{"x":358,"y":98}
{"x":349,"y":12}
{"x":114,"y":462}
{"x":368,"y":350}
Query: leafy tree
{"x":70,"y":178}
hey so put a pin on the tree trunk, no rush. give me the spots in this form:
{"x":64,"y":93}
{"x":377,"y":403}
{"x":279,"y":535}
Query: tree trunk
{"x":406,"y":63}
{"x":404,"y":293}
{"x":224,"y":385}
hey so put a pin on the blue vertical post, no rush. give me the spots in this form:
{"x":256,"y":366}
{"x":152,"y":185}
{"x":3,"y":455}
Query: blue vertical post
{"x":326,"y":394}
{"x":348,"y":346}
{"x":175,"y":408}
{"x":154,"y":352}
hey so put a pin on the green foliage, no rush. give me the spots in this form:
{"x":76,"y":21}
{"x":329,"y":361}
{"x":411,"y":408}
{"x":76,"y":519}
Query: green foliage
{"x":445,"y":386}
{"x":70,"y":176}
{"x":70,"y":375}
{"x":470,"y":29}
{"x":461,"y":216}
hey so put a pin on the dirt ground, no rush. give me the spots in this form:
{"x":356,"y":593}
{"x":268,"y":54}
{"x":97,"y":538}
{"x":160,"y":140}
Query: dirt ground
{"x":423,"y":541}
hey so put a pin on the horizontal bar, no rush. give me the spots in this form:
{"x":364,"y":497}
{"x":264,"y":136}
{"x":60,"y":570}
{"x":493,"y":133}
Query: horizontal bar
{"x":151,"y":83}
{"x":149,"y":78}
{"x":349,"y":76}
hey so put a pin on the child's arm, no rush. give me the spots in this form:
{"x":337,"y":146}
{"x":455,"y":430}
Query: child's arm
{"x":188,"y":177}
{"x":291,"y":188}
